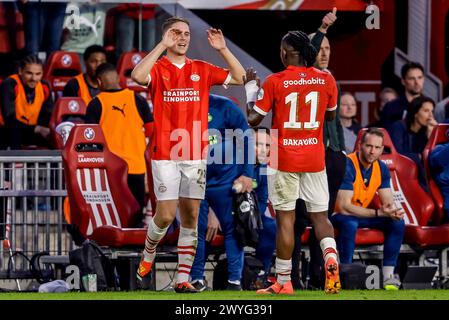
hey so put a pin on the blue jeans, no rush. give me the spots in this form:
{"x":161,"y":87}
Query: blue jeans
{"x":43,"y":19}
{"x":267,"y":242}
{"x":347,"y":226}
{"x":220,"y":200}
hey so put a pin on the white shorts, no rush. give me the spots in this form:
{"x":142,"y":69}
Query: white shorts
{"x":179,"y":178}
{"x":284,"y":188}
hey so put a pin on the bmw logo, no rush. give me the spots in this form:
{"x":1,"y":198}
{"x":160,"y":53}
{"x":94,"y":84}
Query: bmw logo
{"x":89,"y":133}
{"x":136,"y":59}
{"x":66,"y":60}
{"x":73,"y":106}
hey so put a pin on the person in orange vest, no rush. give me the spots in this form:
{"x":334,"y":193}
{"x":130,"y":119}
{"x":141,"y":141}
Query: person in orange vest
{"x":26,"y":104}
{"x":364,"y":176}
{"x":85,"y":85}
{"x":126,"y":120}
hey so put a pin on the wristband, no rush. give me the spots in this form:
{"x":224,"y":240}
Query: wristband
{"x":251,"y":89}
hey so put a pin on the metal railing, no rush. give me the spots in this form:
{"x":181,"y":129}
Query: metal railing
{"x":32,"y":193}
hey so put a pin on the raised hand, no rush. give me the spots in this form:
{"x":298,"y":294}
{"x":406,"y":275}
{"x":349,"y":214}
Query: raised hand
{"x":170,"y":37}
{"x":216,"y":39}
{"x":250,"y":75}
{"x":328,"y":19}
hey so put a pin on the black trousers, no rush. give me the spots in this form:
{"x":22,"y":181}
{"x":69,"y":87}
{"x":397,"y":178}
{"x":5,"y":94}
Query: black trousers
{"x":335,"y":169}
{"x":20,"y":135}
{"x":136,"y":183}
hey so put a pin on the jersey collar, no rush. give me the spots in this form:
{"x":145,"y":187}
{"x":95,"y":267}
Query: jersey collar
{"x":167,"y":62}
{"x":295,"y":68}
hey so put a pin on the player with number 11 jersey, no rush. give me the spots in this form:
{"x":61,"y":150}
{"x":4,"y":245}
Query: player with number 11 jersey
{"x":299,"y":97}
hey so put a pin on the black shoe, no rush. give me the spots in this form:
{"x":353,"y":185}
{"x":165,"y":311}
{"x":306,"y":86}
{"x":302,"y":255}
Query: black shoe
{"x":234,"y":287}
{"x":200,"y":285}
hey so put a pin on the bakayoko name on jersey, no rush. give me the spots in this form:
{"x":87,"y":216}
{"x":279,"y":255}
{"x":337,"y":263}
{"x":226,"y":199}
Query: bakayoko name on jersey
{"x":181,"y":95}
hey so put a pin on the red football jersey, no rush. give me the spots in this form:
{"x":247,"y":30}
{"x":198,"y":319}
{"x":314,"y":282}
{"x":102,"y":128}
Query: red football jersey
{"x":299,"y":97}
{"x":180,"y":98}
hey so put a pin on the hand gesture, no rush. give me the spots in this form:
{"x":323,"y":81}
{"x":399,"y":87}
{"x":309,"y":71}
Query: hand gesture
{"x":391,"y":211}
{"x":328,"y":20}
{"x":170,"y":37}
{"x":431,"y":123}
{"x":247,"y":183}
{"x":216,"y":39}
{"x":250,"y":75}
{"x":213,"y":225}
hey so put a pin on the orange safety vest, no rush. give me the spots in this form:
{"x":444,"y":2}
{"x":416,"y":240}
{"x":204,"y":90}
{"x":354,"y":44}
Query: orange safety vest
{"x":364,"y":194}
{"x":26,"y":112}
{"x":83,"y":91}
{"x":122,"y":126}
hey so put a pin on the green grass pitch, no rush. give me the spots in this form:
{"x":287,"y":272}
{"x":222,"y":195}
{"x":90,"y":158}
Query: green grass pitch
{"x":229,"y":295}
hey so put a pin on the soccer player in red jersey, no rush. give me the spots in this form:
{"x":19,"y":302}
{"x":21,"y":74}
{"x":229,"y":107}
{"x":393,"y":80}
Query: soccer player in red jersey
{"x":179,"y":89}
{"x":301,"y":98}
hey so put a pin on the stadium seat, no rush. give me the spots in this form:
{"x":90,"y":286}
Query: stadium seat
{"x":439,"y":135}
{"x":101,"y":204}
{"x":125,"y":66}
{"x":61,"y":66}
{"x":408,"y":194}
{"x":64,"y":108}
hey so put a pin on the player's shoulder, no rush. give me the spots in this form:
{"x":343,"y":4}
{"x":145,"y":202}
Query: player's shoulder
{"x":275,"y":77}
{"x":325,"y":74}
{"x":221,"y":101}
{"x":201,"y":63}
{"x":383,"y":166}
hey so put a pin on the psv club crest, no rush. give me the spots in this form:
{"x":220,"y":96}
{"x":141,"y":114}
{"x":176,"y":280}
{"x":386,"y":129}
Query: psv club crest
{"x":195,"y":78}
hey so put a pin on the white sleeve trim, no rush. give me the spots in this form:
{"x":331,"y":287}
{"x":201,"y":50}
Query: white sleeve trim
{"x":332,"y":109}
{"x":259,"y":111}
{"x":149,"y":80}
{"x":226,"y":82}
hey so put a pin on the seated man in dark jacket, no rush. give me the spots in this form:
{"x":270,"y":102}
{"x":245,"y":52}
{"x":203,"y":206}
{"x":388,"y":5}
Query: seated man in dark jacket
{"x":439,"y":164}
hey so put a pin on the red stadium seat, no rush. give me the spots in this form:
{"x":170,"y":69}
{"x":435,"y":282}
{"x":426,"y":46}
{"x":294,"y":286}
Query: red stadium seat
{"x":409,"y":195}
{"x":125,"y":66}
{"x":101,"y":204}
{"x":61,"y":66}
{"x":439,"y":135}
{"x":363,"y":237}
{"x":64,"y":107}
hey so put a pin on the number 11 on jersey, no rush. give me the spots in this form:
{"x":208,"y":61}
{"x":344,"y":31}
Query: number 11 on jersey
{"x":292,"y":100}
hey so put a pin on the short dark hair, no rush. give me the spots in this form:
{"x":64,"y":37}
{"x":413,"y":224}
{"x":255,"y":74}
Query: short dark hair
{"x":103,"y":68}
{"x":299,"y":41}
{"x":414,"y":107}
{"x":261,"y":128}
{"x":93,"y":49}
{"x":30,"y":59}
{"x":171,"y":21}
{"x":388,"y":90}
{"x":373,"y":130}
{"x":410,"y":65}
